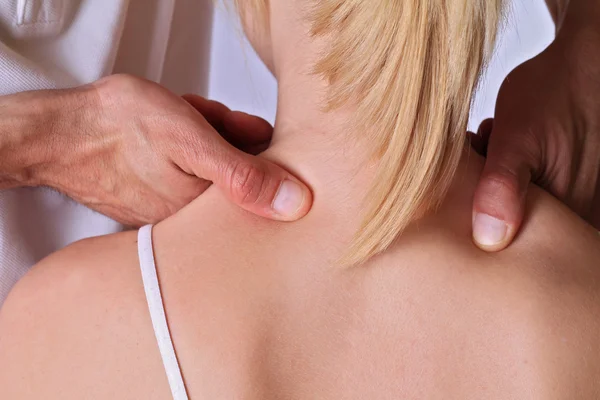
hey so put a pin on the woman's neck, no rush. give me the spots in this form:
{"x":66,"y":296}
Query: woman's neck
{"x":334,"y":158}
{"x":320,"y":148}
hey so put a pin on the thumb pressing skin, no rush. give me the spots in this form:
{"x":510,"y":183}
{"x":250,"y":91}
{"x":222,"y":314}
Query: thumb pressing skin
{"x":253,"y":183}
{"x":499,"y":203}
{"x":265,"y":189}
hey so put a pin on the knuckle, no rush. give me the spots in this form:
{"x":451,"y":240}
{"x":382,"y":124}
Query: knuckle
{"x":513,"y":143}
{"x":512,"y":166}
{"x":116,"y":82}
{"x":121,"y":86}
{"x":113,"y":89}
{"x":502,"y":180}
{"x":500,"y":194}
{"x":248,"y":183}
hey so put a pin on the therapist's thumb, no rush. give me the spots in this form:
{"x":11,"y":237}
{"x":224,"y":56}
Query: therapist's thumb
{"x":499,"y":203}
{"x":263,"y":188}
{"x":213,"y":152}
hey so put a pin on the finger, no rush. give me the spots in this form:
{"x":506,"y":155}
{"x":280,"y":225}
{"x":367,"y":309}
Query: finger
{"x":265,"y":189}
{"x":255,"y":184}
{"x":499,"y":203}
{"x":595,"y":214}
{"x":479,"y":141}
{"x":238,"y":128}
{"x":255,"y":149}
{"x":485,"y":129}
{"x":245,"y":129}
{"x":213,"y":111}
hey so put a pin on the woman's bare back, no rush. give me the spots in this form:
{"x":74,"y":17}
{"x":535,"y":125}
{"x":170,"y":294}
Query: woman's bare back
{"x":261,"y":310}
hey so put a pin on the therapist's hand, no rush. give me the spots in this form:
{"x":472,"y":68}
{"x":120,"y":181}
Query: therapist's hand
{"x":547,"y":129}
{"x":134,"y":151}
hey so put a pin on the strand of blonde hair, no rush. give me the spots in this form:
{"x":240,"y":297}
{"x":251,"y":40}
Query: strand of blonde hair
{"x":410,"y":68}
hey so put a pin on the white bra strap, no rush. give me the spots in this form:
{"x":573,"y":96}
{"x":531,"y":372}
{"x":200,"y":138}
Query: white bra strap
{"x":157,"y":314}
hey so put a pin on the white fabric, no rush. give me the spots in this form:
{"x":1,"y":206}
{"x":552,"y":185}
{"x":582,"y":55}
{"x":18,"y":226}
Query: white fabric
{"x":65,"y":43}
{"x":157,"y":314}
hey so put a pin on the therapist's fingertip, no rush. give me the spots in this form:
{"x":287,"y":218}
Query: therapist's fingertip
{"x":266,"y":189}
{"x":490,"y":233}
{"x":290,"y":200}
{"x":498,"y":209}
{"x":246,"y":128}
{"x":485,"y":129}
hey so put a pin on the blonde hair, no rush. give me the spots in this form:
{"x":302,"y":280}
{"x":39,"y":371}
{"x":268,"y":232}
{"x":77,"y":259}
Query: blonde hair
{"x":411,"y":68}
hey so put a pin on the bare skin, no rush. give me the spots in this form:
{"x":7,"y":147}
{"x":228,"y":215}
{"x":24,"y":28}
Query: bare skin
{"x":261,"y":310}
{"x":273,"y":317}
{"x":546,"y":130}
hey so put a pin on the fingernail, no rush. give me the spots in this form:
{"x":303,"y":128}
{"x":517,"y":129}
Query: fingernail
{"x":488,"y":231}
{"x":289,"y":199}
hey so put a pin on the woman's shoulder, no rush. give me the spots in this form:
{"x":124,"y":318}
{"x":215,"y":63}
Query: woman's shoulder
{"x":556,"y":241}
{"x":529,"y":311}
{"x":73,"y":323}
{"x":557,"y":256}
{"x":553,"y":271}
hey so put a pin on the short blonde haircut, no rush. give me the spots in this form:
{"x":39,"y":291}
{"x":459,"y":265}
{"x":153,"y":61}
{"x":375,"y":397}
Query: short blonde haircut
{"x":411,"y":68}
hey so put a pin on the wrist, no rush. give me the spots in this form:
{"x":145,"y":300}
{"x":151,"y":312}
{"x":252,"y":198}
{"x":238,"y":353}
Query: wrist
{"x":17,"y":143}
{"x":30,"y":136}
{"x":578,"y":18}
{"x":557,"y":9}
{"x":577,"y":41}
